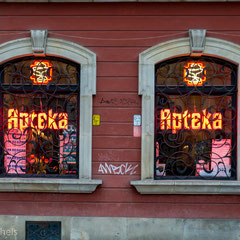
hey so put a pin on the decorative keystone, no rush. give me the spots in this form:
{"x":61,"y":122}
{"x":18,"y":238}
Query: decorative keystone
{"x":39,"y":41}
{"x":197,"y":40}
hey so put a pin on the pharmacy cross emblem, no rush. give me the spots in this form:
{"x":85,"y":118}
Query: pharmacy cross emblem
{"x":41,"y":72}
{"x":193,"y":74}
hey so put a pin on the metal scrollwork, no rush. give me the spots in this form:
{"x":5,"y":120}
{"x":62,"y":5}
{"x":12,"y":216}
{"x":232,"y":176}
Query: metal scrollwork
{"x":195,"y":119}
{"x":39,"y":118}
{"x":43,"y":230}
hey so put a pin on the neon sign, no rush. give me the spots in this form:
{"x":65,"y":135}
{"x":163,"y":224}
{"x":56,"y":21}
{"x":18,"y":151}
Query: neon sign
{"x":193,"y":74}
{"x":186,"y":120}
{"x":39,"y":121}
{"x":41,"y":72}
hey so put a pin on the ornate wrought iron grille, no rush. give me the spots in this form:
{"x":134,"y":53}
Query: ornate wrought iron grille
{"x":39,"y":102}
{"x":43,"y":230}
{"x":195,"y":119}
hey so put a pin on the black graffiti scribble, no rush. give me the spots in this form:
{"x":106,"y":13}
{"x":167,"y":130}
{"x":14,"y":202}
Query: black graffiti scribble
{"x":121,"y":101}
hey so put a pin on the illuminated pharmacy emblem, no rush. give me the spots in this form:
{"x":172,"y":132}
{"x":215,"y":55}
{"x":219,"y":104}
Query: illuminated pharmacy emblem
{"x":50,"y":120}
{"x":193,"y":74}
{"x":41,"y":72}
{"x":186,"y":120}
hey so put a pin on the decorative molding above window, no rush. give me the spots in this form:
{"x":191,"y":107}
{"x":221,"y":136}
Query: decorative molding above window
{"x":39,"y":41}
{"x":197,"y":39}
{"x":147,"y":60}
{"x":87,"y":60}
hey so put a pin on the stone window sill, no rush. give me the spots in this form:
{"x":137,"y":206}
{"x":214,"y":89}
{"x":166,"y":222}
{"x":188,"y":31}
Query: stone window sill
{"x":186,"y":187}
{"x":48,"y":185}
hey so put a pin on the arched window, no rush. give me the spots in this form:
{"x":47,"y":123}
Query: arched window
{"x":190,"y":124}
{"x":195,"y":119}
{"x":40,"y":109}
{"x":46,"y":109}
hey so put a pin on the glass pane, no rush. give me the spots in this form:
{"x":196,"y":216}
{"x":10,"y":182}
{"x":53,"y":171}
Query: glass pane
{"x":40,"y":72}
{"x":194,"y":72}
{"x":40,"y":133}
{"x":43,"y":230}
{"x":194,"y":135}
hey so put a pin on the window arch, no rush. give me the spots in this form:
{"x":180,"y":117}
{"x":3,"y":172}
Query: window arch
{"x":195,"y":119}
{"x":87,"y":60}
{"x":40,"y":124}
{"x":147,"y":61}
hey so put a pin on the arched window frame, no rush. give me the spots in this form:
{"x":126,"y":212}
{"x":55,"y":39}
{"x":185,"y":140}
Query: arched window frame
{"x":147,"y":60}
{"x":87,"y":59}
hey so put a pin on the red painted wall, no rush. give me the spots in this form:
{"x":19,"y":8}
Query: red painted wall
{"x":117,"y":33}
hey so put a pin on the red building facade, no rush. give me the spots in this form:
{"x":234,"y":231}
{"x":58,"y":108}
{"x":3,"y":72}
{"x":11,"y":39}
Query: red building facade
{"x":121,"y":188}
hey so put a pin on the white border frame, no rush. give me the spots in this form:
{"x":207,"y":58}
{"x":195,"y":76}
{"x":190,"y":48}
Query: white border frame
{"x":147,"y":60}
{"x":87,"y":60}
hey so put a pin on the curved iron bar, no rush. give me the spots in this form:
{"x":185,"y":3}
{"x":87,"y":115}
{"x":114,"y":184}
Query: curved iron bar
{"x":39,"y":120}
{"x":188,"y":152}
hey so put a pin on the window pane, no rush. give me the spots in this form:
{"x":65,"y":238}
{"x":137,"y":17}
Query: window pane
{"x":187,"y":71}
{"x":40,"y":133}
{"x":43,"y":230}
{"x":195,"y":119}
{"x":40,"y":72}
{"x":39,"y":99}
